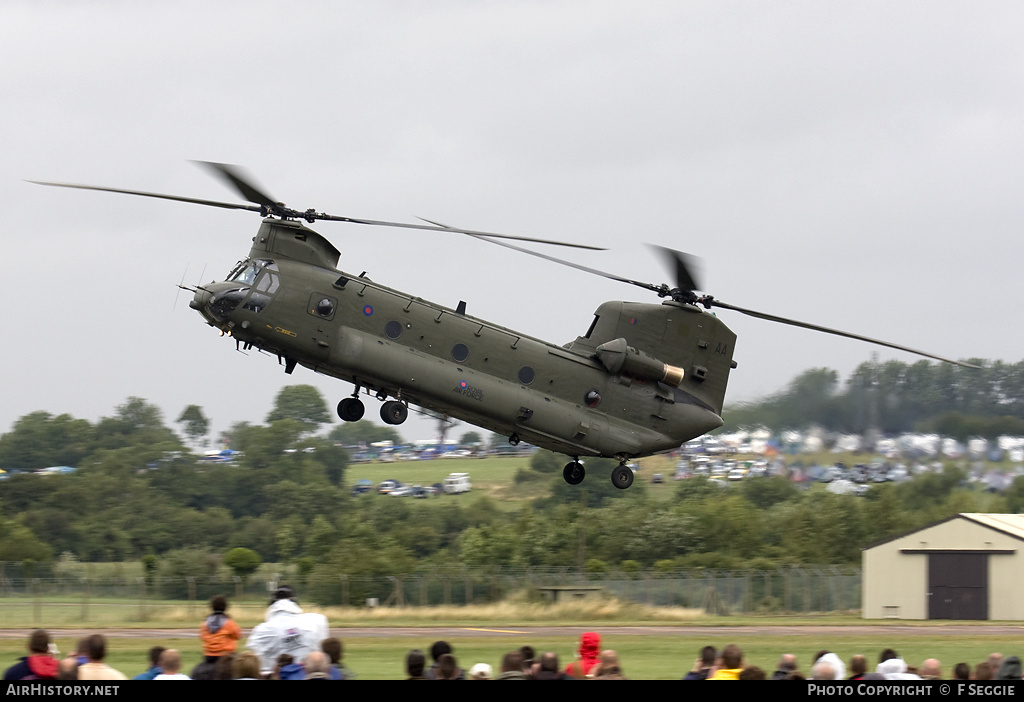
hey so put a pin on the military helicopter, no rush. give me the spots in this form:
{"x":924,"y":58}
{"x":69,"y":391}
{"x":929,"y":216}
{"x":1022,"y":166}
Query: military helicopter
{"x":643,"y":379}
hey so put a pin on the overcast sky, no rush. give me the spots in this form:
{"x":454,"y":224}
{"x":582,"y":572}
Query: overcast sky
{"x":852,"y":164}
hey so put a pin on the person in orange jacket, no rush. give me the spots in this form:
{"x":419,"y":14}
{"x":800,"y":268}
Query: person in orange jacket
{"x":219,"y":633}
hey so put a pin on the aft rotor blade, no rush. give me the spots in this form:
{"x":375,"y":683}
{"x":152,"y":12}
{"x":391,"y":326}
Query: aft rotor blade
{"x":826,"y":330}
{"x":161,"y":196}
{"x":683,"y":265}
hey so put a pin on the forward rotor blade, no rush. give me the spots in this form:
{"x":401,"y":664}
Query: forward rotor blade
{"x":161,"y":196}
{"x":826,"y":330}
{"x":611,"y":276}
{"x":438,"y":227}
{"x":234,"y":177}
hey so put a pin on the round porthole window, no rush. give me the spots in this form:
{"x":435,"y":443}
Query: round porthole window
{"x":393,"y":329}
{"x":460,"y":352}
{"x":592,"y":398}
{"x":325,"y":307}
{"x":526,"y":375}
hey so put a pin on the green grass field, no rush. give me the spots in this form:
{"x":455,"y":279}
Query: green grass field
{"x":493,"y":477}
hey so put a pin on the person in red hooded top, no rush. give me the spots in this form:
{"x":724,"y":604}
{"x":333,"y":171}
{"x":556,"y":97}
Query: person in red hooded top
{"x":39,"y":664}
{"x":588,"y":652}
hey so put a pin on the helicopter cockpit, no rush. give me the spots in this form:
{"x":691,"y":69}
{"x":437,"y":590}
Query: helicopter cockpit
{"x":246,"y":271}
{"x":251,"y":283}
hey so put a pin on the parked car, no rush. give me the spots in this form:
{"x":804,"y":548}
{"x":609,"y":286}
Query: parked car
{"x":456,"y":483}
{"x":362,"y":486}
{"x":386,"y":487}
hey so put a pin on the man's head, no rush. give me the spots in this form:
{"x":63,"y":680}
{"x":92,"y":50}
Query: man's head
{"x":708,"y":654}
{"x":332,"y":647}
{"x":96,"y":647}
{"x":415,"y":662}
{"x":218,"y":604}
{"x":528,"y":654}
{"x":154,"y":655}
{"x":823,"y":670}
{"x":285,"y":592}
{"x":549,"y":662}
{"x":247,"y":665}
{"x":39,"y":642}
{"x":513,"y":661}
{"x":170,"y":661}
{"x":732,"y":657}
{"x":316,"y":664}
{"x":67,"y":668}
{"x":931,"y":668}
{"x":787,"y":663}
{"x":439,"y":649}
{"x":446,"y":667}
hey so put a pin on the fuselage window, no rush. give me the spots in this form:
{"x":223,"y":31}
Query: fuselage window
{"x":526,"y":375}
{"x":325,"y":307}
{"x":592,"y":399}
{"x":393,"y":329}
{"x":460,"y":352}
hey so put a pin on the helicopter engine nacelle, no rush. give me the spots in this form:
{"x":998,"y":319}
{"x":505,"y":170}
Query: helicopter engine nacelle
{"x":619,"y":357}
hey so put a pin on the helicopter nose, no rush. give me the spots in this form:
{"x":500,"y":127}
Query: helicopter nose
{"x":216,"y":302}
{"x":200,"y":300}
{"x":201,"y":303}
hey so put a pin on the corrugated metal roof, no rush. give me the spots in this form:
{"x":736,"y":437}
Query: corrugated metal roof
{"x":1009,"y":524}
{"x":1012,"y":524}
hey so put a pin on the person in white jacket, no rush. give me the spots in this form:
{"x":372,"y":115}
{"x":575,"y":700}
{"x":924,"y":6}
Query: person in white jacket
{"x":286,"y":629}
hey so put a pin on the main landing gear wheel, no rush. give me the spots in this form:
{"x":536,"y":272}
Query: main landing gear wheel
{"x":574,"y":473}
{"x":394,"y":412}
{"x":351,"y":409}
{"x":622,"y":477}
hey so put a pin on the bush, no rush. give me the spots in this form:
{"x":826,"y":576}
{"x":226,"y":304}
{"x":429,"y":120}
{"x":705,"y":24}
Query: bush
{"x":243,"y":562}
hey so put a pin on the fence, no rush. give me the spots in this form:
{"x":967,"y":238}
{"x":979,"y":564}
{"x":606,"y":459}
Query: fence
{"x":69,"y":600}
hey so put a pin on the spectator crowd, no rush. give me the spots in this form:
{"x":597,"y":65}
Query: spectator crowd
{"x":295,"y":645}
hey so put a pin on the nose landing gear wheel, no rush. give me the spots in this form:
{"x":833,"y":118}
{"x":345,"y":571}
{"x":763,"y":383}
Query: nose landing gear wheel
{"x":393,"y":412}
{"x":622,"y":477}
{"x":351,"y":409}
{"x":573,"y":473}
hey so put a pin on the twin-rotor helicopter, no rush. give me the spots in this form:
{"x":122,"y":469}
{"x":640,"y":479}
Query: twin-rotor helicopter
{"x":643,"y":379}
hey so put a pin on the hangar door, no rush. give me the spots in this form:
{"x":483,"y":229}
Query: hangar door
{"x":958,"y":585}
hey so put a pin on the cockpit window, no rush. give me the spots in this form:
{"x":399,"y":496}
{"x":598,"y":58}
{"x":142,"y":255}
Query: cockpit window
{"x":246,"y":271}
{"x":268,"y":282}
{"x":263,"y":276}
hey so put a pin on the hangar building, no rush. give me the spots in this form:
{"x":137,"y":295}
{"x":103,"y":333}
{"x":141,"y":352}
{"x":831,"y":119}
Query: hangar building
{"x":969,"y":566}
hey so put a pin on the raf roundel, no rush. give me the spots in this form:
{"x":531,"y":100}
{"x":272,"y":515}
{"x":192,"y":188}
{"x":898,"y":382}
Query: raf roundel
{"x":368,"y":310}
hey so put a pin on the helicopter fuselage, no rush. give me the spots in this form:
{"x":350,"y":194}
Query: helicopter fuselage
{"x":644,"y":379}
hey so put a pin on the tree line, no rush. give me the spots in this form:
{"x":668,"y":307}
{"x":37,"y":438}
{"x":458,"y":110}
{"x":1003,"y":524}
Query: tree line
{"x":140,"y":493}
{"x":896,"y":397}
